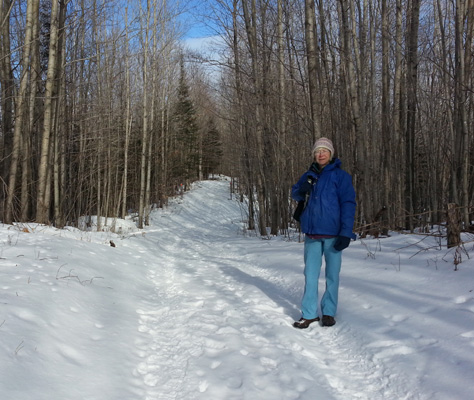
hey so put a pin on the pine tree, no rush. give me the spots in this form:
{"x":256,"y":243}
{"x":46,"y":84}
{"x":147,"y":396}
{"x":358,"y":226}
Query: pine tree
{"x":185,"y":159}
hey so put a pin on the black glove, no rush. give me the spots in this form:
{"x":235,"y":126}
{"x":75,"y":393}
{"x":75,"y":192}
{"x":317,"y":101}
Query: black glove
{"x":341,"y":243}
{"x":305,"y":187}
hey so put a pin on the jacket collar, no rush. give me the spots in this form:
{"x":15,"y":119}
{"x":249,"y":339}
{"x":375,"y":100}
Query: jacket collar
{"x":333,"y":164}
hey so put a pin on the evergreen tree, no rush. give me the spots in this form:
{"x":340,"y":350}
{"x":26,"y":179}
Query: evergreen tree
{"x":185,"y":159}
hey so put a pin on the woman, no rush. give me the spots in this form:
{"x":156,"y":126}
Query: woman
{"x":327,"y":222}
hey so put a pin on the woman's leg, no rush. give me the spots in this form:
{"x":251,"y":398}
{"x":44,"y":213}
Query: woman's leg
{"x":312,"y":260}
{"x":333,"y":260}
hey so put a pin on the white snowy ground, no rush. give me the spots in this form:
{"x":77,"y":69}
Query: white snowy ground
{"x":194,"y":308}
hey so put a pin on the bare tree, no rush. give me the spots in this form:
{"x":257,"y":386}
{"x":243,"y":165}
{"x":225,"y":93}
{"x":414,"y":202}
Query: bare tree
{"x":313,"y":64}
{"x":412,"y":85}
{"x":463,"y":28}
{"x":127,"y":120}
{"x":42,"y":204}
{"x":21,"y":108}
{"x":7,"y":103}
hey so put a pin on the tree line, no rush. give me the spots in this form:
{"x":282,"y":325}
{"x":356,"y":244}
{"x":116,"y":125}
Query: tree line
{"x":102,"y":113}
{"x":96,"y":113}
{"x":390,"y":82}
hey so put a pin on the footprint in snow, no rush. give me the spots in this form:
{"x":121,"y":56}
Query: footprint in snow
{"x":469,"y":334}
{"x":396,"y":318}
{"x":462,"y":299}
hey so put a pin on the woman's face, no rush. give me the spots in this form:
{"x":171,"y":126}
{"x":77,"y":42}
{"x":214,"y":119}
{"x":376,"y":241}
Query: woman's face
{"x":322,"y":156}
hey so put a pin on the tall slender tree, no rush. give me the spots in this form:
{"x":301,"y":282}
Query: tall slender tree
{"x":21,"y":109}
{"x":7,"y":97}
{"x":43,"y":200}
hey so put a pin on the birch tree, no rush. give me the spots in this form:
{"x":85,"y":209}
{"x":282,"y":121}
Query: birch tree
{"x":144,"y":146}
{"x":42,"y":204}
{"x":21,"y":109}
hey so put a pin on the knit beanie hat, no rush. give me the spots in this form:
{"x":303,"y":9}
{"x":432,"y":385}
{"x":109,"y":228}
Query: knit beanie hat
{"x":324,"y":143}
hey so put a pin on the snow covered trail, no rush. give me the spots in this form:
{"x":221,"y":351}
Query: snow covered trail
{"x":194,"y":308}
{"x":219,"y":323}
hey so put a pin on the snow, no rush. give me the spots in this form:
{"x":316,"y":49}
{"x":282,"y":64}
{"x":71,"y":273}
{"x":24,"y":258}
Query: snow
{"x":195,"y":307}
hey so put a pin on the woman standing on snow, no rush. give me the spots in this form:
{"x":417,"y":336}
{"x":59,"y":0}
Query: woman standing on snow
{"x":327,"y":222}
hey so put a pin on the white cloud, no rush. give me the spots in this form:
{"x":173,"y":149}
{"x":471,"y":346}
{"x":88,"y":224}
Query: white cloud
{"x":208,"y":45}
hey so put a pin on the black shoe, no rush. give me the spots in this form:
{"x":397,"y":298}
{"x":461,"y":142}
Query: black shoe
{"x":328,"y":320}
{"x":304,"y":323}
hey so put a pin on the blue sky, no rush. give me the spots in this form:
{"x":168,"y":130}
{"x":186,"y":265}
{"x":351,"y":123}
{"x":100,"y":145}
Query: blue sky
{"x":200,"y":35}
{"x":196,"y":20}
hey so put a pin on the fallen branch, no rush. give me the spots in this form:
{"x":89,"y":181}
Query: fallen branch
{"x":70,"y":276}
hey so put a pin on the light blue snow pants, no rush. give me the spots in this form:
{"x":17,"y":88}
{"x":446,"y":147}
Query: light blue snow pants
{"x":314,"y":249}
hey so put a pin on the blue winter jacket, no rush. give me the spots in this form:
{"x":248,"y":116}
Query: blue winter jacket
{"x":330,"y":209}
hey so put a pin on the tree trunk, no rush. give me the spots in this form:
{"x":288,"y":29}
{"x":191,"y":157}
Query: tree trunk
{"x":398,"y":150}
{"x":461,"y":85}
{"x":453,"y":224}
{"x":312,"y":56}
{"x":280,"y":212}
{"x":60,"y":121}
{"x":412,"y":83}
{"x":21,"y":109}
{"x":250,"y":17}
{"x":387,"y":134}
{"x":7,"y":95}
{"x":468,"y":69}
{"x":42,"y":204}
{"x":31,"y":131}
{"x":357,"y":123}
{"x":143,"y":158}
{"x":127,"y":122}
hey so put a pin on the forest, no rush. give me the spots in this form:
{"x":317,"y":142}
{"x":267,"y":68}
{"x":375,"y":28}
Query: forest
{"x":105,"y":112}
